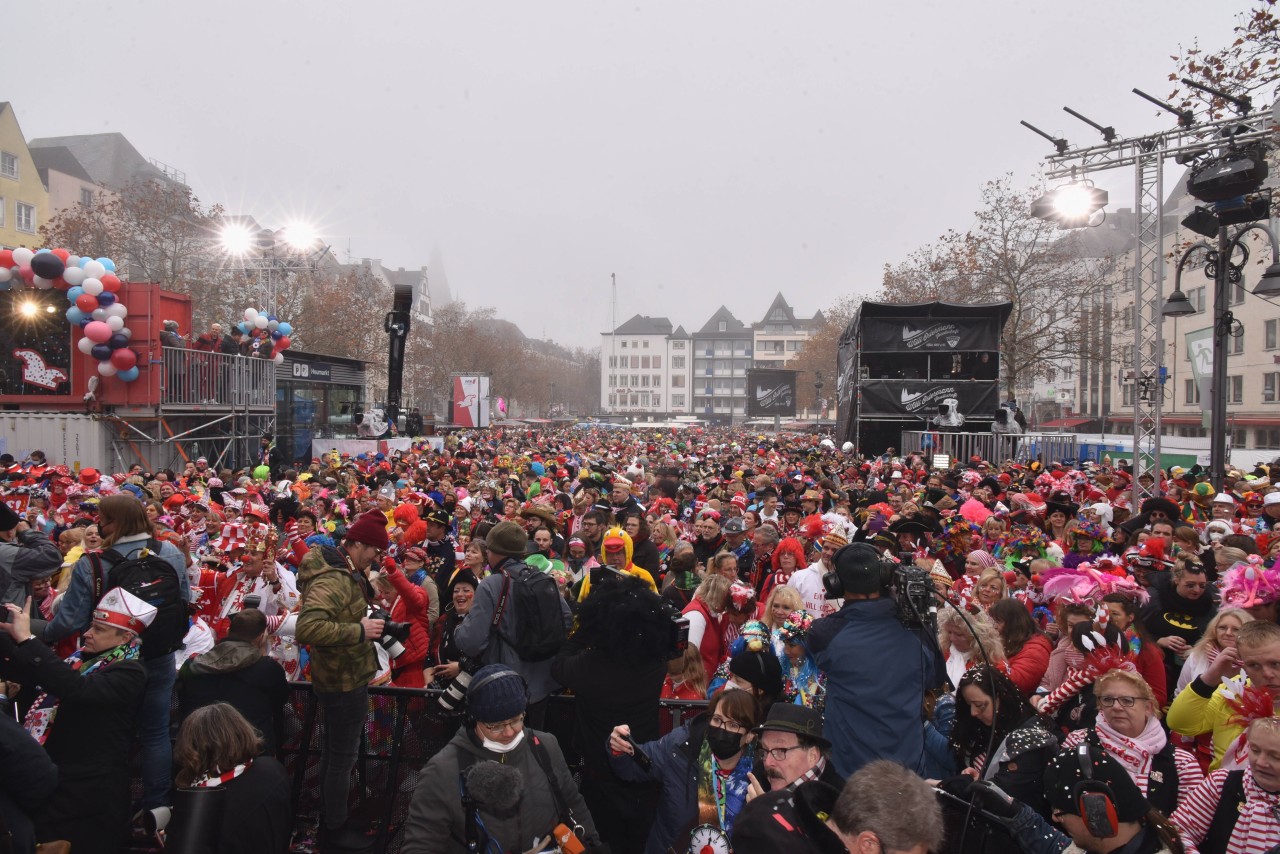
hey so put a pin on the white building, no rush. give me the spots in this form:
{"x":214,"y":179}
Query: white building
{"x":645,"y":368}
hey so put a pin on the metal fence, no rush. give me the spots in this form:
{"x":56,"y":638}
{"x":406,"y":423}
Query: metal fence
{"x":196,"y":377}
{"x":403,"y":732}
{"x":992,"y":447}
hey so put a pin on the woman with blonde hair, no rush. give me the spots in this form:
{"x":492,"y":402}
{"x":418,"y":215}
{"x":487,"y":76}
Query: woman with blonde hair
{"x":705,"y":613}
{"x":782,"y":600}
{"x":956,"y":637}
{"x":217,"y":748}
{"x":989,"y":589}
{"x":1128,"y":727}
{"x":1218,"y":635}
{"x":686,"y":678}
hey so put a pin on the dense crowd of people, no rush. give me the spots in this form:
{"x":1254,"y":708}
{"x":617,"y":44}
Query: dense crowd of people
{"x":994,"y":655}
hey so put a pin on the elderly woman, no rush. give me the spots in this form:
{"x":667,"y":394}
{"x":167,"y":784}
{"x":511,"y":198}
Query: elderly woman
{"x":1128,"y":727}
{"x":956,"y":637}
{"x":990,"y":589}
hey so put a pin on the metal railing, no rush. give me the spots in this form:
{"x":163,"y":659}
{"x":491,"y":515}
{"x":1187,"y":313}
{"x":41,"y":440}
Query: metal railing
{"x":992,"y":447}
{"x":198,"y":377}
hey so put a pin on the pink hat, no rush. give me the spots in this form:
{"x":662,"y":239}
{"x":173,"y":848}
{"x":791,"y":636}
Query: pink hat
{"x":983,"y":558}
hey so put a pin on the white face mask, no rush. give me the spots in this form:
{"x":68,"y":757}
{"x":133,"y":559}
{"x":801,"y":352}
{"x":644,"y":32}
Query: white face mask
{"x":499,"y":747}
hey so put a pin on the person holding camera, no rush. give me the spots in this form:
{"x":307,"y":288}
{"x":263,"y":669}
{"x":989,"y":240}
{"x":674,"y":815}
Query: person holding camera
{"x":26,"y":554}
{"x":333,"y":622}
{"x":498,"y":782}
{"x":878,"y":670}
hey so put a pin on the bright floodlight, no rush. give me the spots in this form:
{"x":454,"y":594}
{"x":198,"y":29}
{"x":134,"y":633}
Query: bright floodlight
{"x":1074,"y":201}
{"x":300,"y":235}
{"x":29,"y":309}
{"x":236,"y":238}
{"x":1072,"y":205}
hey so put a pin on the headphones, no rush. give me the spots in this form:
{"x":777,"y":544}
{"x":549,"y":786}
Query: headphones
{"x":1094,"y":799}
{"x":831,"y":580}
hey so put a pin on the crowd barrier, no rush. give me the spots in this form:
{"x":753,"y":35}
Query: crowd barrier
{"x":403,"y":733}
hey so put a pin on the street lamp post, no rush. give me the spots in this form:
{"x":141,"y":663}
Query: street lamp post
{"x":817,"y":396}
{"x":1225,"y":274}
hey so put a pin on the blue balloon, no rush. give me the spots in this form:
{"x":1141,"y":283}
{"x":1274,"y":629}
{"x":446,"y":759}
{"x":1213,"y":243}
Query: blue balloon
{"x":128,"y":376}
{"x":106,"y":298}
{"x":75,"y":315}
{"x":83,"y":261}
{"x":277,"y":335}
{"x":116,"y":341}
{"x":101,"y":352}
{"x":243,"y":327}
{"x":285,"y":329}
{"x":271,"y":317}
{"x":73,"y":294}
{"x":42,"y":251}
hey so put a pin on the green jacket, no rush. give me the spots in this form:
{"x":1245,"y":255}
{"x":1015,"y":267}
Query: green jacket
{"x":333,"y":604}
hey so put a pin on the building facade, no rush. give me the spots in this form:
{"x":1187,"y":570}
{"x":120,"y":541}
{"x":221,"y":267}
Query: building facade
{"x":723,"y":349}
{"x":779,"y":338}
{"x":645,"y":368}
{"x":24,"y":201}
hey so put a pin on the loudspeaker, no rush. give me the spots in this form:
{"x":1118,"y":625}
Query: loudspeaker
{"x":1094,"y":799}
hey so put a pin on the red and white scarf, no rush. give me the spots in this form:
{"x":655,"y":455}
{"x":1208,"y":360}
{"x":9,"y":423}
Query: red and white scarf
{"x":210,"y":781}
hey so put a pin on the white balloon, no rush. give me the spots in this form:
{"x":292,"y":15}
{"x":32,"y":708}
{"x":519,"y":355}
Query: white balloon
{"x":85,"y":345}
{"x":73,"y":261}
{"x":117,"y":309}
{"x":278,"y":358}
{"x":99,"y":314}
{"x":106,"y":369}
{"x":22,"y":256}
{"x":94,"y":270}
{"x":116,"y":323}
{"x":250,"y":314}
{"x":73,"y":276}
{"x":92,"y":286}
{"x":6,"y":274}
{"x":127,"y":332}
{"x":261,"y":321}
{"x":41,"y":283}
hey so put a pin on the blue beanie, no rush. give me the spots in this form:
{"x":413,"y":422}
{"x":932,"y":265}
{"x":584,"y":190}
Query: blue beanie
{"x":497,"y":693}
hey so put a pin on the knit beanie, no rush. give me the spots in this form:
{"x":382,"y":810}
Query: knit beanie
{"x":370,"y":529}
{"x":507,"y":538}
{"x":497,"y":693}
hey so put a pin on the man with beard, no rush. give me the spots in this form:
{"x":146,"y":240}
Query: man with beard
{"x":709,"y":540}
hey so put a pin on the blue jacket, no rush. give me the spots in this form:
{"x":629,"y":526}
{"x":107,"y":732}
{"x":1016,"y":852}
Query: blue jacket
{"x":877,"y":674}
{"x":76,"y":609}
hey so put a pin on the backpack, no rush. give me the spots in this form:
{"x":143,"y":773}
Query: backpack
{"x":540,"y":628}
{"x":153,"y":580}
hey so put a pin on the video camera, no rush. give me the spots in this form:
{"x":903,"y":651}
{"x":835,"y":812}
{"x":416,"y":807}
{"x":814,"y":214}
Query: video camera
{"x":912,"y":589}
{"x":678,"y":631}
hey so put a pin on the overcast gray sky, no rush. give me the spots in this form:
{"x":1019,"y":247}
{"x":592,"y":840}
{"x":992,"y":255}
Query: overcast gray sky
{"x":705,"y":152}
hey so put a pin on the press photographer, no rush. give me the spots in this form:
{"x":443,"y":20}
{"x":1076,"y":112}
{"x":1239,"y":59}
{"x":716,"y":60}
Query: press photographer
{"x":615,"y":663}
{"x":333,"y":622}
{"x":868,"y":651}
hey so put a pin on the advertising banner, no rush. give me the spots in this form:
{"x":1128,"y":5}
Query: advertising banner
{"x":920,"y":398}
{"x":471,"y":401}
{"x":771,"y":392}
{"x":1200,"y":352}
{"x":915,"y":334}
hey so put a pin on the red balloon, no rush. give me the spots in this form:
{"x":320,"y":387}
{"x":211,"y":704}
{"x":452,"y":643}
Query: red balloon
{"x":28,"y":275}
{"x":6,"y":257}
{"x":63,"y":254}
{"x":110,"y":282}
{"x":283,"y":343}
{"x":87,"y":303}
{"x":61,"y":284}
{"x":124,"y":359}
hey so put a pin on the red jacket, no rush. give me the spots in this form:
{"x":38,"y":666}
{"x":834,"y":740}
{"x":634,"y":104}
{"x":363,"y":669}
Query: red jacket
{"x":712,"y":646}
{"x":411,"y":608}
{"x":1028,"y":667}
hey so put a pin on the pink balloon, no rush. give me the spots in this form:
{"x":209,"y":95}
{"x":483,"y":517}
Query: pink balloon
{"x":97,"y":332}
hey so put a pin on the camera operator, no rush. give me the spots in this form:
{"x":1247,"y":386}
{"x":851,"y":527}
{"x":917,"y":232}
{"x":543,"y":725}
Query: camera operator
{"x":615,"y":663}
{"x":878,"y":670}
{"x":25,"y":555}
{"x":333,"y":622}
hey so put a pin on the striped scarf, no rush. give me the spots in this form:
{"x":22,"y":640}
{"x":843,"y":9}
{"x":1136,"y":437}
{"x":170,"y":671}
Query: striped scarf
{"x":44,"y":710}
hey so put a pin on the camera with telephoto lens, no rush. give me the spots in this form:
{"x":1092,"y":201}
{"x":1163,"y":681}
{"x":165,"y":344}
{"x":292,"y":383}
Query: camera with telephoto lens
{"x":451,"y":701}
{"x":394,"y":635}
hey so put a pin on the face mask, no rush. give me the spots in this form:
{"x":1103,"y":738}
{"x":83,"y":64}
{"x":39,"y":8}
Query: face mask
{"x":723,"y":743}
{"x":499,"y":747}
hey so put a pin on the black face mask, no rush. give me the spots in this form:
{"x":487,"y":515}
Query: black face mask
{"x":723,"y":743}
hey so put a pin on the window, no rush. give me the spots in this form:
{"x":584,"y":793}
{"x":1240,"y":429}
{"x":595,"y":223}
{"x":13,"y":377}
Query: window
{"x":1235,"y":344}
{"x":646,"y":344}
{"x":657,"y":362}
{"x":722,"y":326}
{"x":8,"y":164}
{"x":657,"y":380}
{"x":677,"y":345}
{"x":644,"y":381}
{"x":1239,"y":438}
{"x":1237,"y":293}
{"x":25,"y":218}
{"x":613,"y":400}
{"x":677,"y":381}
{"x":1271,"y":387}
{"x":1192,"y":389}
{"x":795,"y":346}
{"x":635,"y":345}
{"x":613,"y":380}
{"x":1270,"y":328}
{"x":1269,"y":438}
{"x":677,"y":400}
{"x":86,"y":197}
{"x":1,"y":211}
{"x":1235,"y":389}
{"x":644,"y":362}
{"x":1126,"y":395}
{"x":656,"y":400}
{"x":624,"y":345}
{"x":1196,"y":297}
{"x":635,"y":400}
{"x":677,"y":362}
{"x":635,"y":381}
{"x":613,"y":361}
{"x":635,"y":362}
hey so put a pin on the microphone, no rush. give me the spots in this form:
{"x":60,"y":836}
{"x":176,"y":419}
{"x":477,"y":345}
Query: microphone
{"x":494,"y":786}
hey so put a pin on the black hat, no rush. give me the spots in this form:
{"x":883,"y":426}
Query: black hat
{"x":858,"y":567}
{"x":438,"y":516}
{"x":910,"y":525}
{"x":8,"y":519}
{"x":1067,"y":769}
{"x":800,"y":720}
{"x":760,"y":668}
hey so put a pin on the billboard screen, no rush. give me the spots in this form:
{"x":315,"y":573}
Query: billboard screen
{"x":471,"y":401}
{"x":771,"y":392}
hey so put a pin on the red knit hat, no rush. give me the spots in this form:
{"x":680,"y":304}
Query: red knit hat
{"x":370,"y":529}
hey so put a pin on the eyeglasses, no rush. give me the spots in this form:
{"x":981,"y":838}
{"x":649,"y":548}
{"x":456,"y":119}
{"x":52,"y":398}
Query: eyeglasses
{"x":1123,"y":702}
{"x":779,"y":754}
{"x":727,"y":724}
{"x":511,"y":725}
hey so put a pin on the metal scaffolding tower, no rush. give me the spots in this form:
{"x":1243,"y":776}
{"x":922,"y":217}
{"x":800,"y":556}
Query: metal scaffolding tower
{"x":1147,"y":155}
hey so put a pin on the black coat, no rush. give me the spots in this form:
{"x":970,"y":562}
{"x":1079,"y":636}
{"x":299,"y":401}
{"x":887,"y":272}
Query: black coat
{"x":29,"y":779}
{"x":89,"y":741}
{"x":644,"y":554}
{"x":258,"y":690}
{"x":789,"y":821}
{"x":257,"y":814}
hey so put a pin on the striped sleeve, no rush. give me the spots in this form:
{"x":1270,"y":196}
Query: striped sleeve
{"x":1075,"y":739}
{"x":1070,"y":686}
{"x":1195,"y":811}
{"x":1189,"y":774}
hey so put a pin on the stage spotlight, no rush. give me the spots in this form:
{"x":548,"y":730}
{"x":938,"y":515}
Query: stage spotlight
{"x":300,"y":236}
{"x":1236,"y":172}
{"x":236,"y":238}
{"x":1071,"y":205}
